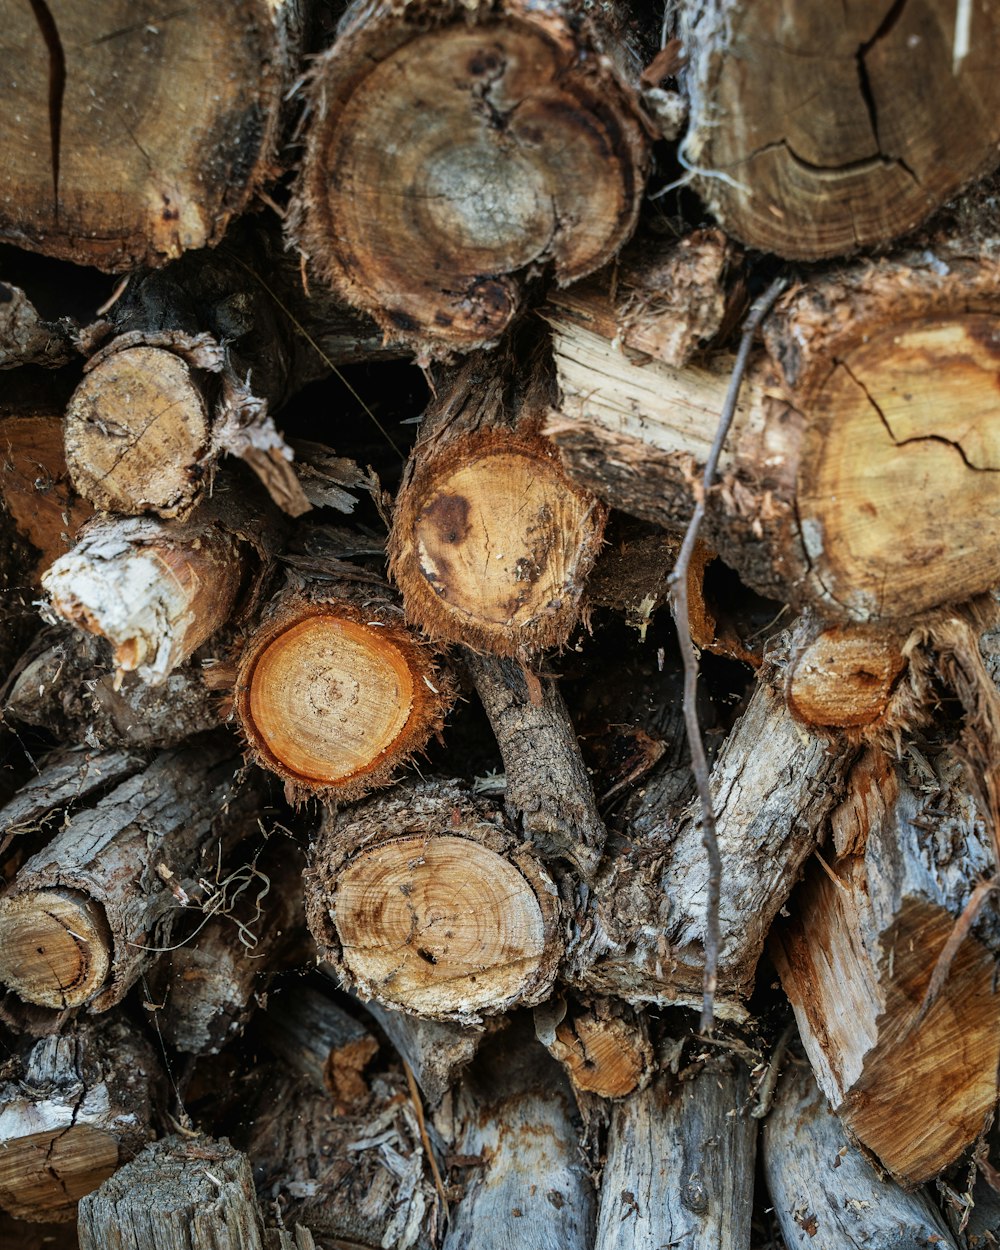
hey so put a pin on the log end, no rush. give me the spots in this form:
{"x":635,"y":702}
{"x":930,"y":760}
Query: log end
{"x":44,"y":1175}
{"x":845,"y":678}
{"x":55,"y":947}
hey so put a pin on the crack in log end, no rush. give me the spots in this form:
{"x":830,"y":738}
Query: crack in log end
{"x":57,"y":89}
{"x":55,"y":947}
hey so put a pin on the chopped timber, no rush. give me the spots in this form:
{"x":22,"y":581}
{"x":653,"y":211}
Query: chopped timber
{"x":875,"y":385}
{"x":191,"y":159}
{"x":604,"y":1046}
{"x":85,"y":913}
{"x":845,"y":676}
{"x":548,"y":792}
{"x":491,"y":543}
{"x":515,"y":1111}
{"x":181,"y":1193}
{"x":423,"y":900}
{"x":334,"y":693}
{"x":825,"y":1193}
{"x":909,"y":85}
{"x":514,"y":143}
{"x":680,"y":1165}
{"x":80,"y":1106}
{"x":857,"y":956}
{"x":28,"y":338}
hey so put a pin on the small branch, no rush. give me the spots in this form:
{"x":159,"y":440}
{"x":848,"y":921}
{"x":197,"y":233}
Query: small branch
{"x":699,"y":763}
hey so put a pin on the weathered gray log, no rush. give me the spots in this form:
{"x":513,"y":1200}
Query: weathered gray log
{"x":180,"y":1194}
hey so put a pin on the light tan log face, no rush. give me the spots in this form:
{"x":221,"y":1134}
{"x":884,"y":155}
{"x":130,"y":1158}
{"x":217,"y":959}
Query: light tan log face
{"x":137,"y":432}
{"x":55,"y":947}
{"x":845,"y":677}
{"x":900,"y":472}
{"x":440,"y":926}
{"x":443,"y":160}
{"x":845,"y":125}
{"x":43,"y":1176}
{"x":167,"y":123}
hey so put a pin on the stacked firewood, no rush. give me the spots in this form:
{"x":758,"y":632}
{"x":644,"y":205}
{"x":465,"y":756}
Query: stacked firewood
{"x":361,"y":372}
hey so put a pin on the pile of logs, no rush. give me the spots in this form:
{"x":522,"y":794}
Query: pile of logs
{"x":362,"y":374}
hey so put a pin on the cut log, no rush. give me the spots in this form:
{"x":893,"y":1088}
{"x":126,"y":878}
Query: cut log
{"x":832,"y":439}
{"x":846,"y":676}
{"x":425,"y":902}
{"x":156,"y":590}
{"x":857,"y":955}
{"x":319,"y":1041}
{"x":548,"y":794}
{"x":514,"y":143}
{"x":491,"y":543}
{"x":81,"y":1106}
{"x":180,"y":1194}
{"x":84,"y":914}
{"x":192,"y":159}
{"x":516,"y":1112}
{"x":680,"y":1167}
{"x":825,"y":1193}
{"x":909,"y":85}
{"x":604,"y":1046}
{"x":334,"y":693}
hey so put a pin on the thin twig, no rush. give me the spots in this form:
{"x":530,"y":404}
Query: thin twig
{"x":418,"y":1109}
{"x":765,"y":1095}
{"x":699,"y":764}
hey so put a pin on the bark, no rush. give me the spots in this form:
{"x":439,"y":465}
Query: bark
{"x":905,"y":83}
{"x":516,"y":1112}
{"x":491,"y":543}
{"x":86,"y":912}
{"x":334,"y":693}
{"x":604,"y":1046}
{"x":179,"y":1194}
{"x":424,"y":901}
{"x":28,"y":338}
{"x":548,"y":794}
{"x":857,"y":955}
{"x":80,"y":1105}
{"x":193,"y":158}
{"x":825,"y":1193}
{"x":680,"y":1167}
{"x":832,"y":437}
{"x":320,"y":1042}
{"x":528,"y":101}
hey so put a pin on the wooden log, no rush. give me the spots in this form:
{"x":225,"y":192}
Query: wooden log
{"x":491,"y":543}
{"x":680,"y":1165}
{"x":832,"y":435}
{"x":604,"y":1046}
{"x":516,"y":1112}
{"x":334,"y":693}
{"x":319,"y":1041}
{"x":824,"y":1192}
{"x":914,"y":122}
{"x":28,"y":338}
{"x":423,"y":900}
{"x":530,"y":102}
{"x":548,"y":792}
{"x":193,"y":158}
{"x":857,"y":955}
{"x":181,"y":1193}
{"x":85,"y":913}
{"x":78,"y":1107}
{"x":848,"y":677}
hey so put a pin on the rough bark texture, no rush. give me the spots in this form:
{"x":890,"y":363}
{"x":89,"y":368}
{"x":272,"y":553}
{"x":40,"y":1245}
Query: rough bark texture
{"x":825,"y":1193}
{"x":857,"y":955}
{"x":192,"y":159}
{"x":875,"y":384}
{"x":491,"y":543}
{"x":179,"y":1194}
{"x":909,"y":85}
{"x":531,"y":154}
{"x":680,"y":1167}
{"x":76,"y":1107}
{"x":423,"y":900}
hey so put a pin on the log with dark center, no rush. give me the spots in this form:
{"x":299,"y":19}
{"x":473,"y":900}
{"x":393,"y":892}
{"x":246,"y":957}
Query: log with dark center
{"x":424,"y":901}
{"x":334,"y":693}
{"x":844,"y":127}
{"x":116,"y":155}
{"x":876,"y":385}
{"x":453,"y":147}
{"x":845,"y":677}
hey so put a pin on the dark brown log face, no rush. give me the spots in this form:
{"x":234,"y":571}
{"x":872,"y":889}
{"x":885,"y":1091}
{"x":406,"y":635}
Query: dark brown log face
{"x":141,"y":161}
{"x":913,"y":91}
{"x":448,"y":153}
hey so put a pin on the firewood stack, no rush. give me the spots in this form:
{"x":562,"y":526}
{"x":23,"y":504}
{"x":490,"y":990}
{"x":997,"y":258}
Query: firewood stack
{"x":361,"y":371}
